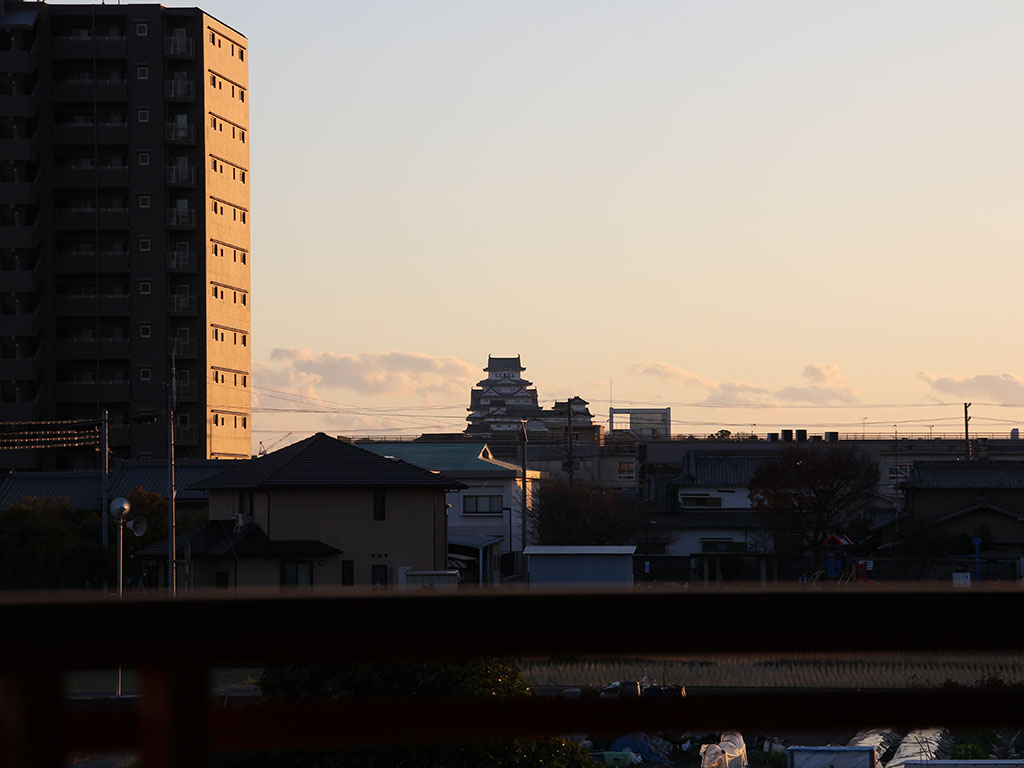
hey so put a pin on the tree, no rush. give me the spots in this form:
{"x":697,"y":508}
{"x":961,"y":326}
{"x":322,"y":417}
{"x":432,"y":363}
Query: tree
{"x":583,"y":513}
{"x":811,"y":491}
{"x":438,"y":680}
{"x":48,"y":544}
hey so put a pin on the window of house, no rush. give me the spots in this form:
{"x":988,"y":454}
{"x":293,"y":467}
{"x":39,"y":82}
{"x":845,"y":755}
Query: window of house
{"x":144,"y":201}
{"x":145,"y":287}
{"x":142,"y":73}
{"x":627,"y":470}
{"x":143,"y":158}
{"x":141,"y":30}
{"x":379,"y":511}
{"x":145,"y":374}
{"x":297,"y":573}
{"x":481,"y":505}
{"x":143,"y":115}
{"x":348,"y":573}
{"x":145,"y":331}
{"x":144,"y":244}
{"x":379,"y":575}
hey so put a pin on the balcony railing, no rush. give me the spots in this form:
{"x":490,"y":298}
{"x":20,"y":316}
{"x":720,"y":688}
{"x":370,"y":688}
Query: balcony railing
{"x":173,"y":644}
{"x":179,"y":89}
{"x":180,"y":134}
{"x":179,"y":217}
{"x":181,"y":305}
{"x":178,"y":175}
{"x":181,"y":261}
{"x":178,"y":46}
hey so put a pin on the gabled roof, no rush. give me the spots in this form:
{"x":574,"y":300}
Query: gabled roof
{"x":83,"y":489}
{"x":449,"y":458}
{"x":322,"y":461}
{"x":504,"y":364}
{"x":152,"y":476}
{"x":220,"y":538}
{"x":969,"y":475}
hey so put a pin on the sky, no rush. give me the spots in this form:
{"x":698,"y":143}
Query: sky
{"x":764,"y":215}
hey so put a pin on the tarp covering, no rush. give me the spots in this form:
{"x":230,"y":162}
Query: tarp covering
{"x":924,"y":744}
{"x":729,"y":752}
{"x":836,"y":757}
{"x":882,"y":739}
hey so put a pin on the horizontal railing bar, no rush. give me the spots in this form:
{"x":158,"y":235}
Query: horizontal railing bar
{"x":208,"y":629}
{"x":360,"y":722}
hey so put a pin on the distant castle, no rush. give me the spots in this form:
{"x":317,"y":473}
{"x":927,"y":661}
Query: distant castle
{"x":500,"y":403}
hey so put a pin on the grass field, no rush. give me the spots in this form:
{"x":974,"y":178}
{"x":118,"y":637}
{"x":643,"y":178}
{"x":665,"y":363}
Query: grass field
{"x":823,"y":670}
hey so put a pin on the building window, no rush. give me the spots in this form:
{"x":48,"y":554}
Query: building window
{"x":144,"y":201}
{"x":213,"y":38}
{"x":348,"y":573}
{"x":143,"y":115}
{"x":145,"y":287}
{"x":243,"y":177}
{"x":297,"y":573}
{"x":243,"y":339}
{"x":244,"y":380}
{"x":245,"y":422}
{"x":241,"y":54}
{"x":379,"y":512}
{"x":141,"y":30}
{"x":143,"y":158}
{"x":241,"y":95}
{"x":243,"y":299}
{"x":481,"y":505}
{"x":243,"y":217}
{"x":627,"y":470}
{"x":145,"y":331}
{"x":144,"y":244}
{"x":379,"y":575}
{"x":145,"y":374}
{"x":142,"y":73}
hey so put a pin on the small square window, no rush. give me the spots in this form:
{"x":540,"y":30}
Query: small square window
{"x":144,"y":244}
{"x":145,"y":374}
{"x":145,"y":331}
{"x":144,"y":201}
{"x":143,"y":158}
{"x":142,"y":73}
{"x":145,"y":287}
{"x":143,"y":115}
{"x":141,"y":30}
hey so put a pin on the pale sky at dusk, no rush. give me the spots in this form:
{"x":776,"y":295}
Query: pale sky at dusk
{"x":794,"y":203}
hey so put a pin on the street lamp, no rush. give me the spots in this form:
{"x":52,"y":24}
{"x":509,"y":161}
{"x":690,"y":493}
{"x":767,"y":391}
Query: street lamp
{"x":119,"y":509}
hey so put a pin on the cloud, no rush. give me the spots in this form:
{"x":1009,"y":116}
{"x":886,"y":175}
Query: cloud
{"x":396,"y":373}
{"x":825,"y":384}
{"x":1001,"y":387}
{"x":670,"y":373}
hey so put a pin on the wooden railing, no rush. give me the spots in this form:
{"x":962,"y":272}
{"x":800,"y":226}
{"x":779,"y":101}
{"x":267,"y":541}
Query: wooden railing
{"x":174,"y":643}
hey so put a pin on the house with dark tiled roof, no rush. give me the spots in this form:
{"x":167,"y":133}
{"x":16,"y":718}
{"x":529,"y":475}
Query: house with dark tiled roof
{"x":320,"y":512}
{"x":950,"y":503}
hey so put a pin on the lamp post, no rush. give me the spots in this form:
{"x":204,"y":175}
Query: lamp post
{"x":119,"y":509}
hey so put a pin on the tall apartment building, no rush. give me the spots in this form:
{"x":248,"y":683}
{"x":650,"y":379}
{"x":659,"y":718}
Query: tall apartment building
{"x":124,"y":226}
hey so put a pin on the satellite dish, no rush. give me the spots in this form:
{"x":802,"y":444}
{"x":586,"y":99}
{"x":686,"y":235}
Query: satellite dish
{"x":119,"y":508}
{"x":137,"y":526}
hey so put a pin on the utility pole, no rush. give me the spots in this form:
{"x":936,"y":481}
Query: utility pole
{"x":568,"y":410}
{"x":522,"y":514}
{"x":172,"y":569}
{"x":967,"y":434}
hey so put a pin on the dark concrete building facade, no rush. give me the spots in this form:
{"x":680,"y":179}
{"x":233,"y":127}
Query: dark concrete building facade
{"x":124,"y":227}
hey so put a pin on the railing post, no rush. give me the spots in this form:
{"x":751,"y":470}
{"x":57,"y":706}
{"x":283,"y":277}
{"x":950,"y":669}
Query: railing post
{"x":31,"y":718}
{"x":174,"y":717}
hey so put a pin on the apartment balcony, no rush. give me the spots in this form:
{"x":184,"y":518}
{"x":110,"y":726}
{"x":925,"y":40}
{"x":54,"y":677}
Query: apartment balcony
{"x":182,"y":349}
{"x":90,"y":349}
{"x":88,"y":177}
{"x":186,"y":434}
{"x":21,"y":368}
{"x":102,"y":133}
{"x":20,"y":105}
{"x":184,"y":47}
{"x":20,"y":149}
{"x":178,"y":217}
{"x":89,"y":306}
{"x":89,"y":218}
{"x":182,"y":261}
{"x":186,"y":391}
{"x":175,"y":133}
{"x":113,"y":89}
{"x":107,"y":262}
{"x":181,"y":177}
{"x":22,"y":280}
{"x":181,"y":305}
{"x":21,"y":192}
{"x":21,"y":324}
{"x":91,"y":391}
{"x":20,"y":62}
{"x":85,"y":47}
{"x":180,"y":90}
{"x":19,"y":236}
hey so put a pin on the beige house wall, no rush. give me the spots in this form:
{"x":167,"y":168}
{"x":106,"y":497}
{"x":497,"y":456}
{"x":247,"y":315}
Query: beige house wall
{"x":414,"y":532}
{"x":228,"y":258}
